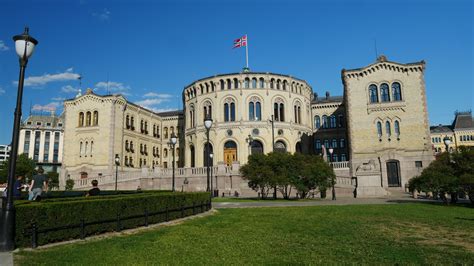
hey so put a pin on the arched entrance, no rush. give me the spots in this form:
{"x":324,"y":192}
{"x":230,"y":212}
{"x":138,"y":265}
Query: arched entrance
{"x":205,"y":154}
{"x":280,"y":146}
{"x":257,"y":147}
{"x":230,"y":152}
{"x":393,"y":173}
{"x":298,"y":147}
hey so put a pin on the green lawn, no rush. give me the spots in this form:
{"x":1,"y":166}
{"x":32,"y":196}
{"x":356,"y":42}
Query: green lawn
{"x":375,"y":234}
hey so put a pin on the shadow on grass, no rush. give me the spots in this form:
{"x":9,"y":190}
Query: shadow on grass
{"x":463,"y":203}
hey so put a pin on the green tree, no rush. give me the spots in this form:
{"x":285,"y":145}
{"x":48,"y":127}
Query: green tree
{"x":259,"y":174}
{"x":312,"y":173}
{"x":69,"y":184}
{"x":53,"y":180}
{"x":24,"y":166}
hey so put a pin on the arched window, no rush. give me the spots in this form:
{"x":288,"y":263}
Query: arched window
{"x":334,"y":143}
{"x":342,"y":143}
{"x":272,"y":84}
{"x":126,"y":145}
{"x":222,"y":84}
{"x":193,"y":157}
{"x":278,"y":84}
{"x":384,"y":93}
{"x":131,"y":147}
{"x":229,"y":110}
{"x":207,"y":88}
{"x":165,"y":153}
{"x":317,"y":145}
{"x":92,"y":147}
{"x":256,"y":147}
{"x":379,"y":129}
{"x":332,"y":121}
{"x":191,"y":116}
{"x":325,"y":121}
{"x":284,"y":85}
{"x":165,"y":132}
{"x":326,"y":143}
{"x":388,"y":130}
{"x":171,"y":130}
{"x":80,"y":149}
{"x":374,"y":97}
{"x":341,"y":120}
{"x":96,"y":118}
{"x":262,"y":83}
{"x":207,"y":109}
{"x":236,"y":84}
{"x":126,"y":160}
{"x":127,"y":121}
{"x":213,"y":86}
{"x":297,"y":113}
{"x":280,"y":146}
{"x":86,"y":149}
{"x":396,"y":91}
{"x":132,"y":123}
{"x":142,"y":128}
{"x":247,"y":83}
{"x":317,"y":122}
{"x":397,"y":128}
{"x":88,"y":119}
{"x":255,"y":110}
{"x":81,"y":119}
{"x":229,"y":84}
{"x":282,"y":112}
{"x":254,"y":83}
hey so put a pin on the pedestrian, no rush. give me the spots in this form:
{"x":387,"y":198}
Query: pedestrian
{"x":18,"y":187}
{"x":94,"y":191}
{"x":37,"y":185}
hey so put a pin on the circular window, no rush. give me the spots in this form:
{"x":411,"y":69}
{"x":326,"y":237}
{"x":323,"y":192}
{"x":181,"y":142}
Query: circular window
{"x":280,"y":132}
{"x":229,"y":132}
{"x":255,"y":132}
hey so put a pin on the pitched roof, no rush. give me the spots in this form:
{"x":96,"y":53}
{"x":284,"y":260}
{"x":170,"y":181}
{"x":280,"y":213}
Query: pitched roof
{"x":463,"y":120}
{"x":441,"y":129}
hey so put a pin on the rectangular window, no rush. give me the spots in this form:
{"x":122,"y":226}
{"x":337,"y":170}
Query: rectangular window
{"x":37,"y":146}
{"x":46,"y":146}
{"x":56,"y":147}
{"x":26,"y":146}
{"x":418,"y":164}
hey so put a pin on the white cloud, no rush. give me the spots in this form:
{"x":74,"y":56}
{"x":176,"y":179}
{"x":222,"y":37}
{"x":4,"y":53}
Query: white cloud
{"x":158,"y":95}
{"x":104,"y":15}
{"x":47,"y":78}
{"x":2,"y":91}
{"x":68,"y":89}
{"x":149,"y":103}
{"x":113,"y":87}
{"x":50,"y":107}
{"x":3,"y":46}
{"x":160,"y":110}
{"x":58,"y":99}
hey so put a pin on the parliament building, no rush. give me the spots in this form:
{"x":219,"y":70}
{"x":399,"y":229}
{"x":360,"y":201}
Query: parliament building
{"x":378,"y":128}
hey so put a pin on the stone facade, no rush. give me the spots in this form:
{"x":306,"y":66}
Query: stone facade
{"x":460,"y":133}
{"x":258,"y":112}
{"x":388,"y":129}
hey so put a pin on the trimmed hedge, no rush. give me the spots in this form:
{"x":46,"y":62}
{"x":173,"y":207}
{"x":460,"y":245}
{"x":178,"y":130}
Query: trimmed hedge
{"x":60,"y":220}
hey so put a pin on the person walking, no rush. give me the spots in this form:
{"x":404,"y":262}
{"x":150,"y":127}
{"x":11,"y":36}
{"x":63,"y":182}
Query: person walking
{"x":18,"y":187}
{"x":37,"y":185}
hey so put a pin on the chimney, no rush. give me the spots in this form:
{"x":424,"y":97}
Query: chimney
{"x":316,"y":96}
{"x":327,"y":95}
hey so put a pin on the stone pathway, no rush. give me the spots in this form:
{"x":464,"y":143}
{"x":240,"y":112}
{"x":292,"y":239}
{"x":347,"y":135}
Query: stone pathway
{"x":6,"y":259}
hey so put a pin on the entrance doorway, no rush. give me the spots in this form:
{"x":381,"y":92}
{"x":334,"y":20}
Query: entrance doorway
{"x":257,"y":147}
{"x":393,"y":173}
{"x":230,"y":152}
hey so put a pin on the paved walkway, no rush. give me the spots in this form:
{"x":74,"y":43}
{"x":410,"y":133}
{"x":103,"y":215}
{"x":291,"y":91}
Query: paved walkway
{"x":6,"y":259}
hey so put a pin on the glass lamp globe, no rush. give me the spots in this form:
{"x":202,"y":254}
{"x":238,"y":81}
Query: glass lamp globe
{"x":173,"y":139}
{"x":208,"y":122}
{"x":24,"y":44}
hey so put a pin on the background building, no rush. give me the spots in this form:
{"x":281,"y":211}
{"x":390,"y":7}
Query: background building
{"x":4,"y":152}
{"x":41,"y":138}
{"x":460,"y":133}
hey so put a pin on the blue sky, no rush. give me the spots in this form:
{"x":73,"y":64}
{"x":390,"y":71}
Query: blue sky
{"x":150,"y":50}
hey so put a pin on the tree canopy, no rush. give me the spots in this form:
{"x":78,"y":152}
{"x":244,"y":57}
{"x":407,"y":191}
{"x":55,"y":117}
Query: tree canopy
{"x":24,"y":166}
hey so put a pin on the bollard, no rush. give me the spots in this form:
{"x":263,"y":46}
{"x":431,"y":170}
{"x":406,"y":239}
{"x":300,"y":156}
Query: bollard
{"x":83,"y":233}
{"x":34,"y":236}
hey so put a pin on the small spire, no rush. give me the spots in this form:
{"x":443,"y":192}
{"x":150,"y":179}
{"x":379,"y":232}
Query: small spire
{"x":79,"y":93}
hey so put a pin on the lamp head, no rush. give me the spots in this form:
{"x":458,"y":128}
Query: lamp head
{"x":117,"y":159}
{"x":208,"y":122}
{"x":173,"y":139}
{"x":331,"y":150}
{"x":446,"y":141}
{"x":211,"y":155}
{"x":24,"y":44}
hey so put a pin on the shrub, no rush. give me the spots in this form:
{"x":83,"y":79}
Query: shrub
{"x":60,"y":220}
{"x":69,"y":184}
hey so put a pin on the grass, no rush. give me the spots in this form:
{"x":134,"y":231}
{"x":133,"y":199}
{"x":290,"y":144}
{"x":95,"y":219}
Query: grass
{"x":375,"y":234}
{"x":220,"y":199}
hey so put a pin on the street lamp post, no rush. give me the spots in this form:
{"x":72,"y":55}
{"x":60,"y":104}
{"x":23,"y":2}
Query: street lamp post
{"x":207,"y":125}
{"x":117,"y":163}
{"x":173,"y":141}
{"x":24,"y":46}
{"x":273,"y":133}
{"x":331,"y":150}
{"x":211,"y":156}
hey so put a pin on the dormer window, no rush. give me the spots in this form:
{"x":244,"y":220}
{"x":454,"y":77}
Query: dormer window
{"x":38,"y":123}
{"x":28,"y":123}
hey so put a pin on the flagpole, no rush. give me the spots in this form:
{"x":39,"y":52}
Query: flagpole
{"x":247,"y":52}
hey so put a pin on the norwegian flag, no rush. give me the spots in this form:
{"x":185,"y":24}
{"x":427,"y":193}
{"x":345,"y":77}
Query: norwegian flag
{"x":241,"y":42}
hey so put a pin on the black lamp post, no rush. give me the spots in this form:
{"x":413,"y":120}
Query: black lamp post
{"x":331,"y":150}
{"x":273,"y":133}
{"x":117,"y":163}
{"x":211,"y":156}
{"x":207,"y":125}
{"x":24,"y":46}
{"x":173,"y":141}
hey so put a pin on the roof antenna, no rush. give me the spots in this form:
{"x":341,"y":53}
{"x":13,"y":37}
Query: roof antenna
{"x":30,"y":107}
{"x":80,"y":81}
